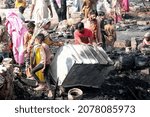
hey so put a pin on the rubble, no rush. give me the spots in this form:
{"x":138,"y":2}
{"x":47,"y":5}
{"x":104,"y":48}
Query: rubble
{"x":129,"y":79}
{"x":125,"y":82}
{"x":6,"y":79}
{"x":117,"y":87}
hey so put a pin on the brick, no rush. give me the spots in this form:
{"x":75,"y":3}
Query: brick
{"x":145,"y":71}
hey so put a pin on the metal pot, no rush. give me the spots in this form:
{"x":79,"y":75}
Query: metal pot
{"x":75,"y":94}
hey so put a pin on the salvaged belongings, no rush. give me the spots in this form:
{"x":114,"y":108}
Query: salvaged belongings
{"x":74,"y":64}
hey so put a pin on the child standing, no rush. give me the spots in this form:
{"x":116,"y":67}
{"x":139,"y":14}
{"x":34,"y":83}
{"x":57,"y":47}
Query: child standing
{"x":44,"y":64}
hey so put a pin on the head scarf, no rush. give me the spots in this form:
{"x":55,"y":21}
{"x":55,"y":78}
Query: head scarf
{"x":43,"y":22}
{"x":39,"y":26}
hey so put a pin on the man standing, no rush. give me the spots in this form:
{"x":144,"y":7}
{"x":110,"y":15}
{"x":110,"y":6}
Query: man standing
{"x":40,"y":10}
{"x":77,"y":5}
{"x":83,"y":35}
{"x":61,"y":9}
{"x":102,"y":23}
{"x":87,"y":6}
{"x":103,"y":5}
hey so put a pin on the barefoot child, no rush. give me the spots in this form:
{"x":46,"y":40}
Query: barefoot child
{"x":44,"y":64}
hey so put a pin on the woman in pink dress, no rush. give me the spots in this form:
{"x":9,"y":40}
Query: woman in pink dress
{"x":124,"y":7}
{"x":16,"y":30}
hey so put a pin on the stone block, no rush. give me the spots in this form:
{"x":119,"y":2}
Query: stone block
{"x":122,"y":43}
{"x":145,"y":71}
{"x":119,"y":44}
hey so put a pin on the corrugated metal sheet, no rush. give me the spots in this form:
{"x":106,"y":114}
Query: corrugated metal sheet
{"x":70,"y":55}
{"x":88,"y":75}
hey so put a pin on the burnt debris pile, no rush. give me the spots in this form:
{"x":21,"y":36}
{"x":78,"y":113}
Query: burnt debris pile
{"x":130,"y":79}
{"x":24,"y":89}
{"x":121,"y":86}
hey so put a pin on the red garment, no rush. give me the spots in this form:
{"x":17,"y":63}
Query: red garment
{"x":94,"y":29}
{"x":117,"y":18}
{"x":125,"y":5}
{"x":85,"y":36}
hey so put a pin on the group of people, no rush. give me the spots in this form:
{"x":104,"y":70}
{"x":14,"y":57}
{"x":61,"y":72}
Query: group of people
{"x":40,"y":8}
{"x":37,"y":53}
{"x":113,"y":8}
{"x":30,"y":47}
{"x":30,"y":42}
{"x":14,"y":3}
{"x":97,"y":29}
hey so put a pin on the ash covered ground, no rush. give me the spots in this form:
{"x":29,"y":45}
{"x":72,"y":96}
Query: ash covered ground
{"x":120,"y":84}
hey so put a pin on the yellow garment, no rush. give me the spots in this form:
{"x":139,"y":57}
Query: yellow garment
{"x":50,"y":42}
{"x":19,"y":4}
{"x":37,"y":60}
